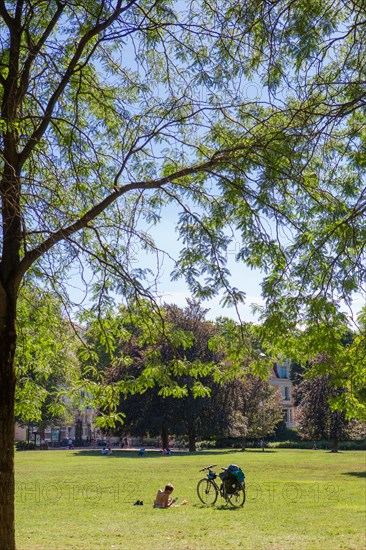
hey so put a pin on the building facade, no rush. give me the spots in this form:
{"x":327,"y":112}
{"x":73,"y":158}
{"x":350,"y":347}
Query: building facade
{"x":280,"y":378}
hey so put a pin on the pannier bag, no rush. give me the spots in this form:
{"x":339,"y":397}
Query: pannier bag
{"x":231,"y":476}
{"x":236,"y":472}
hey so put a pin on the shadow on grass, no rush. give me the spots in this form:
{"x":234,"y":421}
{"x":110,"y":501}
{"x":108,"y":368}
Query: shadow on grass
{"x":266,"y":452}
{"x":218,"y":508}
{"x":229,"y":508}
{"x":355,"y":474}
{"x":229,"y":451}
{"x":157,"y":454}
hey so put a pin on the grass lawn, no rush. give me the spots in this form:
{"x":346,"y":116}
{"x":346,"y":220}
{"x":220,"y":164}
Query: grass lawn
{"x":296,"y":499}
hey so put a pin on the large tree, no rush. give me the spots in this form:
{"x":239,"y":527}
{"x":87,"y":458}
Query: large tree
{"x":111,"y":110}
{"x":97,"y":100}
{"x":165,"y":360}
{"x":194,"y":360}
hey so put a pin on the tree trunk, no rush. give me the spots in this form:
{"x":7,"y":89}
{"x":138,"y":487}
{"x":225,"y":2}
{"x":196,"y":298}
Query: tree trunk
{"x":164,"y":435}
{"x":7,"y":394}
{"x":191,"y":439}
{"x":335,"y":445}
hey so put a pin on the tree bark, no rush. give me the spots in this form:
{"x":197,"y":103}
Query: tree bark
{"x":335,"y":445}
{"x":164,"y":435}
{"x":7,"y":395}
{"x":191,"y":439}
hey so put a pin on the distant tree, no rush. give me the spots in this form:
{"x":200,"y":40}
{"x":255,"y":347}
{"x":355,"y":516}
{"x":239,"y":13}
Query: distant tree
{"x":316,"y":418}
{"x":212,"y":403}
{"x":251,"y":407}
{"x":188,"y":411}
{"x":192,"y":364}
{"x":195,"y":358}
{"x":46,"y":365}
{"x":155,"y":356}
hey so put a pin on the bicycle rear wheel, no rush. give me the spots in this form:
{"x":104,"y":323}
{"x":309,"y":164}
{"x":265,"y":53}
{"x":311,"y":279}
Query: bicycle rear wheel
{"x":206,"y":491}
{"x":238,"y":497}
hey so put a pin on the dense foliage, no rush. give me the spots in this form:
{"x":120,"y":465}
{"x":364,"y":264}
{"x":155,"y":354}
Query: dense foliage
{"x":112,"y":111}
{"x":46,"y":365}
{"x":316,"y":418}
{"x":180,"y":373}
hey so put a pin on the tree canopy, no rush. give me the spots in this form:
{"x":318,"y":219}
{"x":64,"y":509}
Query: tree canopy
{"x":316,"y":419}
{"x":112,"y":110}
{"x":179,"y":374}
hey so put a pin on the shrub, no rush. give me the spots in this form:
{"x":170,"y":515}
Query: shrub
{"x":321,"y":445}
{"x":25,"y":446}
{"x":226,"y":442}
{"x":209,"y":444}
{"x":283,"y":433}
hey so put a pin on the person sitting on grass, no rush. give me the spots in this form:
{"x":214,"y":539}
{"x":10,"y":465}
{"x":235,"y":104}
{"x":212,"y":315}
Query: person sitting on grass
{"x":163,"y":498}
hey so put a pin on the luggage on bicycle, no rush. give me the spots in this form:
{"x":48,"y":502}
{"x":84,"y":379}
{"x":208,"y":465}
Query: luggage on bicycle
{"x":233,"y":472}
{"x":231,"y":485}
{"x":236,"y":472}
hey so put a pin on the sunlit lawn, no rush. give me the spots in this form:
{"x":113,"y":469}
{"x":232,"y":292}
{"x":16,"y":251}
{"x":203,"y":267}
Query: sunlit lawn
{"x":296,"y":499}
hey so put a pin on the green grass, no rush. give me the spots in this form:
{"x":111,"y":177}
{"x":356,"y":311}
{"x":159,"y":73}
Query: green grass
{"x":296,"y":499}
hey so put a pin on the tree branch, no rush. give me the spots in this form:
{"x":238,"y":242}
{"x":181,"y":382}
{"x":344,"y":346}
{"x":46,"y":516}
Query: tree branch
{"x":35,"y":50}
{"x":9,"y":20}
{"x":88,"y":36}
{"x":64,"y":233}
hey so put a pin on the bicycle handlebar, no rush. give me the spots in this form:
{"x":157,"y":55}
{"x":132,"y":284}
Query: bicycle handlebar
{"x":208,"y":468}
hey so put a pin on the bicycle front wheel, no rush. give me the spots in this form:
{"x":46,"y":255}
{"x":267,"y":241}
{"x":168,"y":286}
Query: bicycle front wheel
{"x":206,"y":491}
{"x":238,"y":497}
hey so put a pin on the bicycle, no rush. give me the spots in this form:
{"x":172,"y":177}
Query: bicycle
{"x":231,"y":490}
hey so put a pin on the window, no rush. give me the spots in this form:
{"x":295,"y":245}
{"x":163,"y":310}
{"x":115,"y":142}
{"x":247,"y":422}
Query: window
{"x":283,"y":371}
{"x":285,"y":393}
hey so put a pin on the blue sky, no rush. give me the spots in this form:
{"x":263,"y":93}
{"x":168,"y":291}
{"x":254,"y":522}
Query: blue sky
{"x":176,"y":292}
{"x":242,"y":277}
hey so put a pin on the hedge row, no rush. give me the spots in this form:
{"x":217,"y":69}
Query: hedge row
{"x":325,"y":445}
